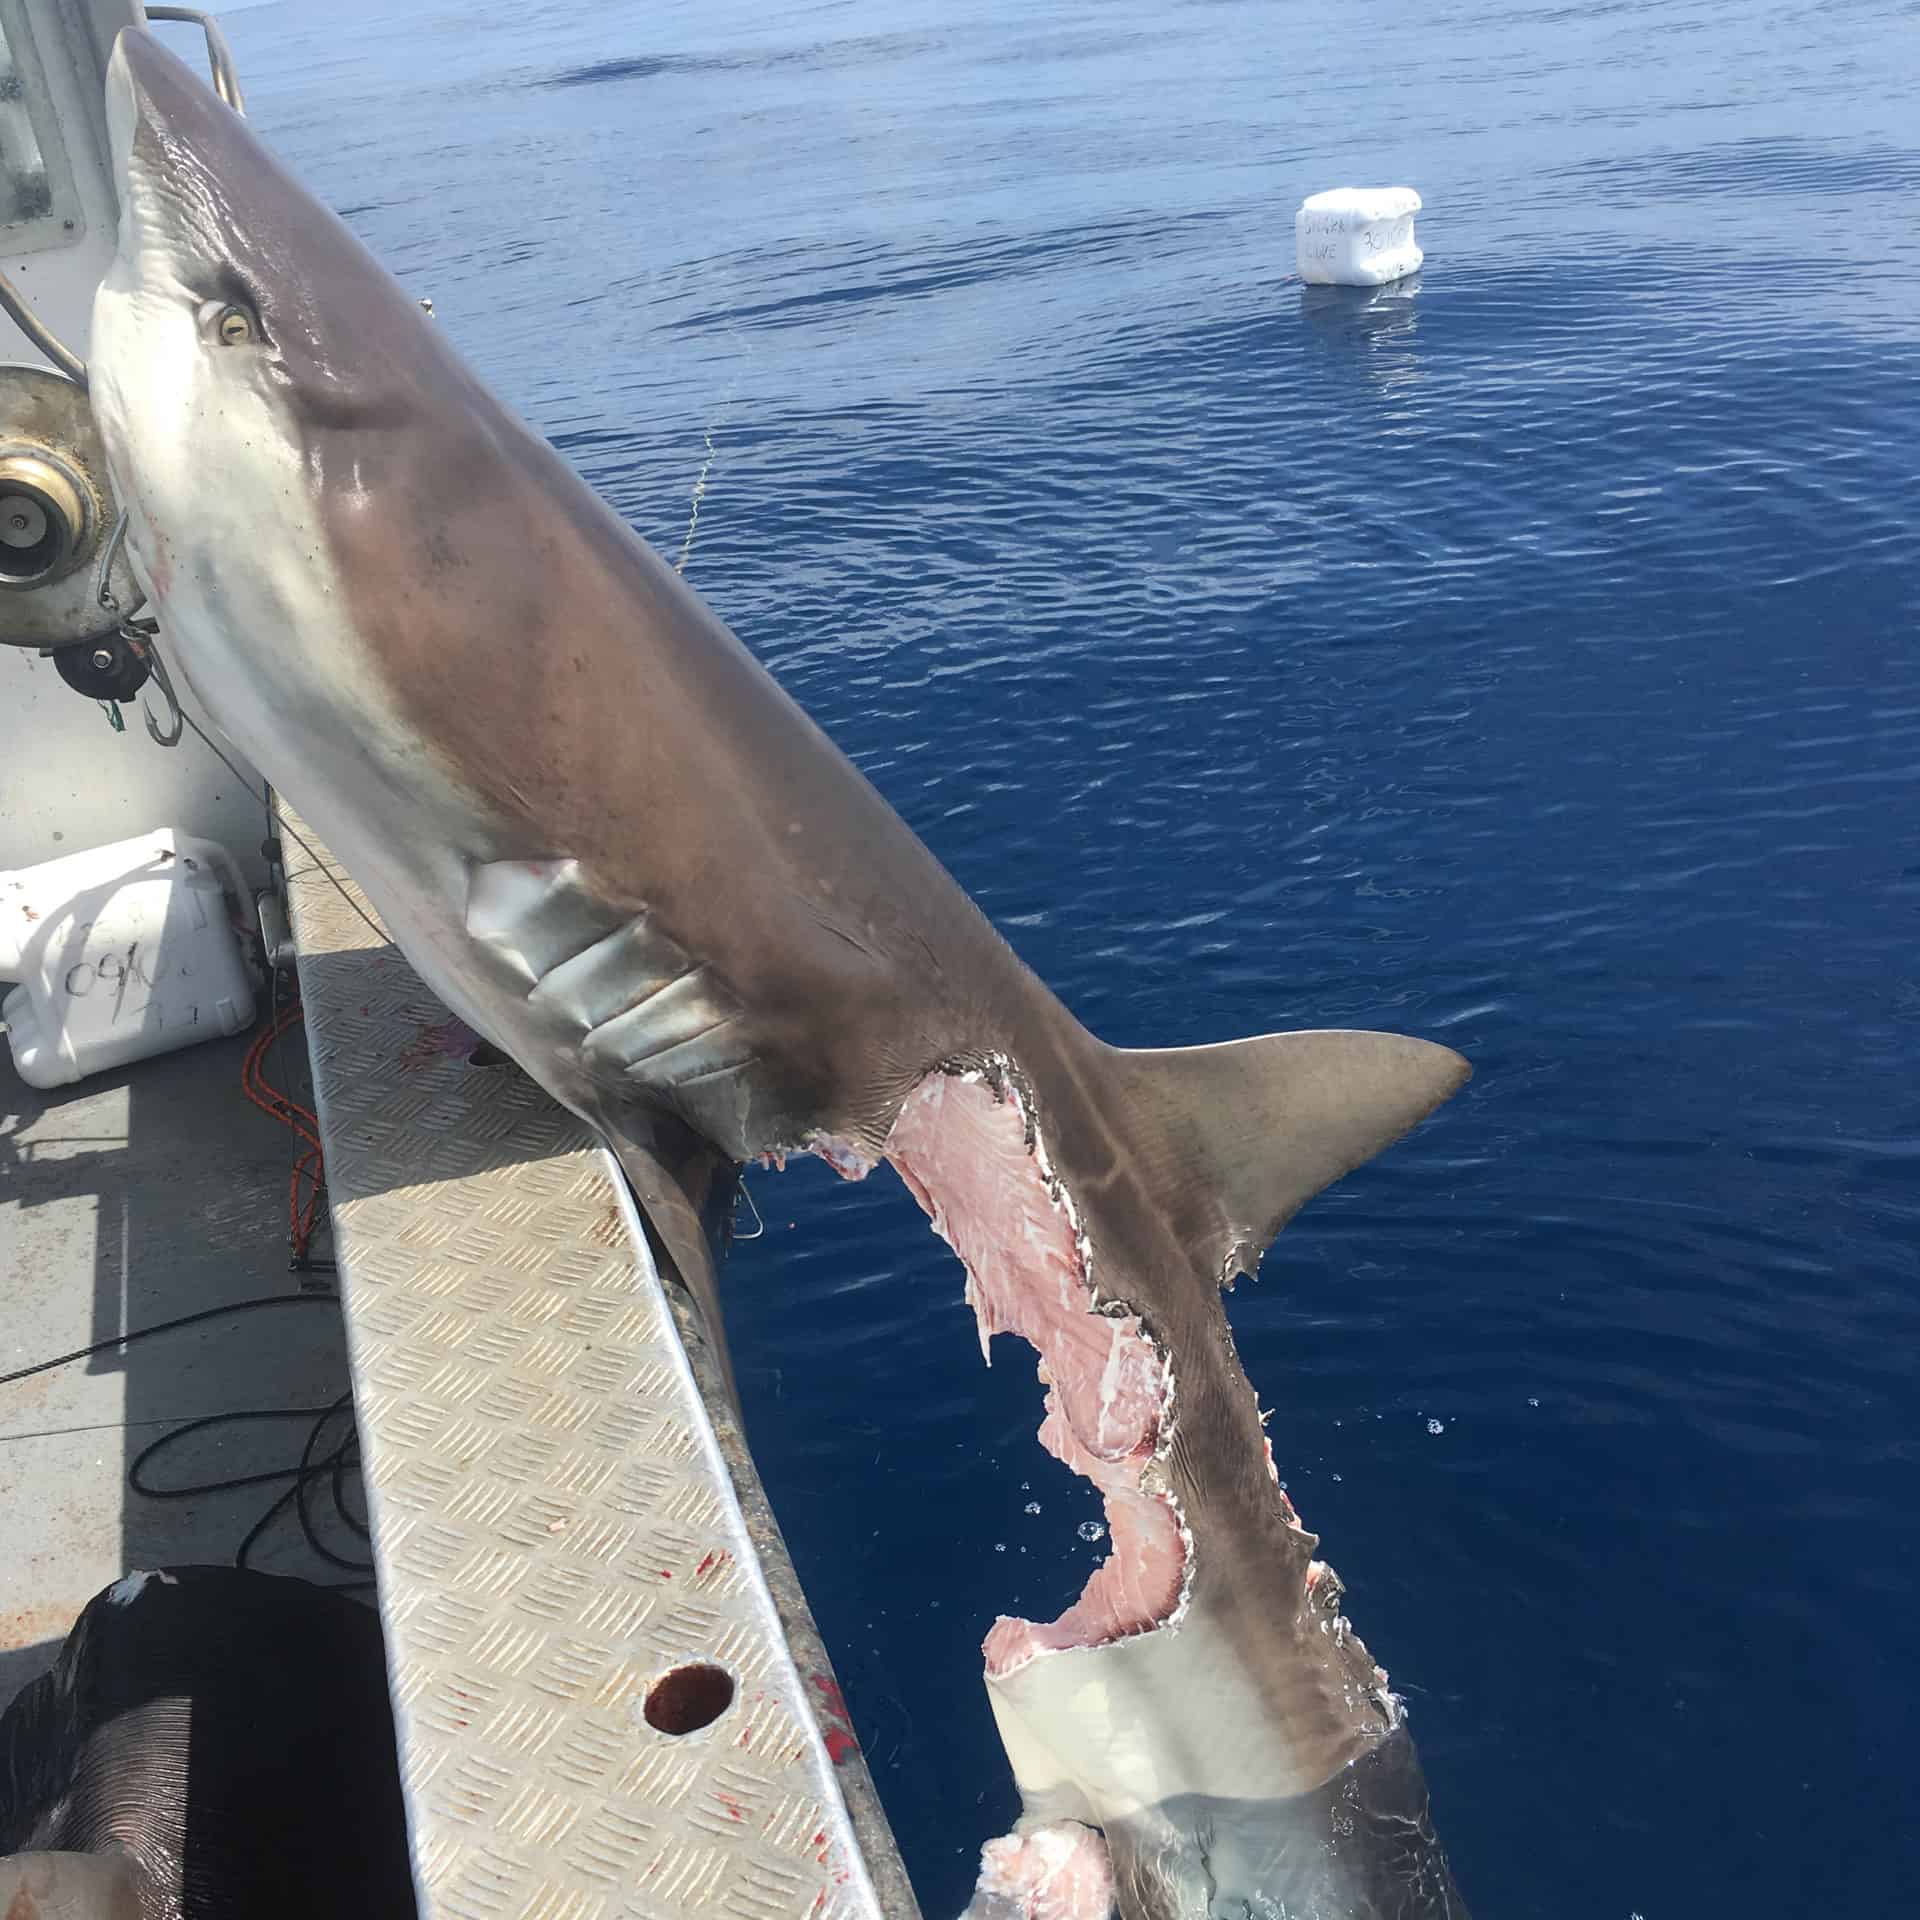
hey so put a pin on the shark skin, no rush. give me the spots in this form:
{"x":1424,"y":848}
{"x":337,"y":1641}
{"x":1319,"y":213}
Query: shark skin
{"x":605,"y":836}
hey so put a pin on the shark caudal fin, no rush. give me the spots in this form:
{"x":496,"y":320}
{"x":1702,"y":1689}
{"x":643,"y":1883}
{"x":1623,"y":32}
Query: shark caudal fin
{"x":1263,"y":1124}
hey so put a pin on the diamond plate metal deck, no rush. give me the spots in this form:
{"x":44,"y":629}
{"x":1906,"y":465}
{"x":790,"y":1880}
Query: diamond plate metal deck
{"x":559,"y":1513}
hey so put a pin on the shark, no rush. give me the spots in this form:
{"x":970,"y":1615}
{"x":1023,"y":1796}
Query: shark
{"x":606,"y":837}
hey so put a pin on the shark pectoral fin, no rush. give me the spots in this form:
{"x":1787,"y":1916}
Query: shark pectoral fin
{"x":686,"y":1190}
{"x":1266,"y":1123}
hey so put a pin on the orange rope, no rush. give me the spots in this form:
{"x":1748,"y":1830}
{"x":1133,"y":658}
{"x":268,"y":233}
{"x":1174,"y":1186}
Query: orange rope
{"x":303,"y":1215}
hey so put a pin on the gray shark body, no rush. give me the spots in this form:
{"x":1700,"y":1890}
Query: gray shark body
{"x":605,"y":836}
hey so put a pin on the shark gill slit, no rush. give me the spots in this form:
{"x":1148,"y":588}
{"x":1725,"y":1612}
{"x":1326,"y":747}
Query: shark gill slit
{"x":637,"y":1002}
{"x":970,"y":1152}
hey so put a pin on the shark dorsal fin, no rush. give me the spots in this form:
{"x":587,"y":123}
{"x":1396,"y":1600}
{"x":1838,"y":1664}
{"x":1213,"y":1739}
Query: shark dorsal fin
{"x":1263,"y":1124}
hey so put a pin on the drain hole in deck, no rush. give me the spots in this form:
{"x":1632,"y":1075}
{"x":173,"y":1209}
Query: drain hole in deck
{"x":689,"y":1698}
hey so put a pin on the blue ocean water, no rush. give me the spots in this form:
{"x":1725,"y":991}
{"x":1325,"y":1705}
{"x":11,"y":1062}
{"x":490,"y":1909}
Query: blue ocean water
{"x":1523,"y":658}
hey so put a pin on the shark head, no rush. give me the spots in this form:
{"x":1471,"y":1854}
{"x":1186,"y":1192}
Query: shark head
{"x":231,"y":287}
{"x":249,"y":361}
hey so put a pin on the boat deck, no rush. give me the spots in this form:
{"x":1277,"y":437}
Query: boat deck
{"x":133,"y":1198}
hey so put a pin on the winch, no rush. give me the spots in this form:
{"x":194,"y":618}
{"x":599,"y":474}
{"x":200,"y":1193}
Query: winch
{"x":63,"y":581}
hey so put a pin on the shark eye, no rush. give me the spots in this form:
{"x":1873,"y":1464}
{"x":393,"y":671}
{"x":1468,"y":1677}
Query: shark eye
{"x":235,"y":327}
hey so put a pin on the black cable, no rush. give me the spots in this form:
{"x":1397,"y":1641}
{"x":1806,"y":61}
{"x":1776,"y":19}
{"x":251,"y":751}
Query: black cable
{"x":166,"y":1326}
{"x":342,"y":1466}
{"x":333,"y":1468}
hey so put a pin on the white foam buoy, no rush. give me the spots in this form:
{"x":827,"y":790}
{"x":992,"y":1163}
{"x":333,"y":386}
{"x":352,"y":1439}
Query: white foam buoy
{"x":1357,"y":236}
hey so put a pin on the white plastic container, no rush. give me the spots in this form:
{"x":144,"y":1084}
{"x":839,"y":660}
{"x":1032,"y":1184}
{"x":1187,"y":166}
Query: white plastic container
{"x":1357,"y":236}
{"x":121,"y":952}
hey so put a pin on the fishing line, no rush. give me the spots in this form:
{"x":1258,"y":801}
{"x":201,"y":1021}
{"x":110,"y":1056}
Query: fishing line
{"x":706,"y":435}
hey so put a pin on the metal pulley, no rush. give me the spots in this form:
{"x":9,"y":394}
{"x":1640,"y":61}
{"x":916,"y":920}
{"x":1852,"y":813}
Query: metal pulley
{"x":56,"y":510}
{"x":45,"y":514}
{"x":108,"y":668}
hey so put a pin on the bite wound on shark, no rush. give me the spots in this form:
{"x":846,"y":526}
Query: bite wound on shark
{"x":969,"y":1146}
{"x":613,"y":846}
{"x":970,"y":1154}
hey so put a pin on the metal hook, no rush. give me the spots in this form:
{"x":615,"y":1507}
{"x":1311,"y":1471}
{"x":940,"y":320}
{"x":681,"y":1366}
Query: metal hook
{"x":759,"y":1225}
{"x":177,"y":719}
{"x":103,"y":580}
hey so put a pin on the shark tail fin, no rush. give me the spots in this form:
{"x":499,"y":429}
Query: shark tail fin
{"x":1261,"y":1125}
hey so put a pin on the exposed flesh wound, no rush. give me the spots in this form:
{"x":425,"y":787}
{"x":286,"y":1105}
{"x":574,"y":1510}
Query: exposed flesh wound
{"x":846,"y":1157}
{"x":1057,"y":1872}
{"x":966,"y":1152}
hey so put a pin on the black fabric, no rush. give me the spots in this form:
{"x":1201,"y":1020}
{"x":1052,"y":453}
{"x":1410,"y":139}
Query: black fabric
{"x":231,"y":1732}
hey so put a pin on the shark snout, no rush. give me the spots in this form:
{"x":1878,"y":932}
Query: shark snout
{"x":123,"y":106}
{"x":154,"y":100}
